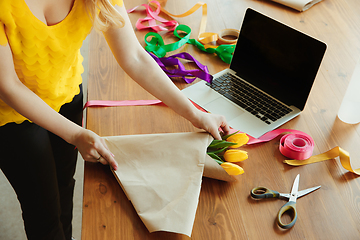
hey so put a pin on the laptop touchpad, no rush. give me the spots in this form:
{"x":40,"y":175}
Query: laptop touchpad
{"x":224,"y":107}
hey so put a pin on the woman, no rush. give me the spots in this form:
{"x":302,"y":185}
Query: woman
{"x":41,"y":101}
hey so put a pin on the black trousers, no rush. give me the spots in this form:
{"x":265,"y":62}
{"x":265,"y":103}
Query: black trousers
{"x":40,"y":167}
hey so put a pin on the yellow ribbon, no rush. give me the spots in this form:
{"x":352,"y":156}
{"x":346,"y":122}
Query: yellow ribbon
{"x":331,"y":154}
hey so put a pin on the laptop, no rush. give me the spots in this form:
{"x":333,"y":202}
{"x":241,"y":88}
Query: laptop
{"x":269,"y":79}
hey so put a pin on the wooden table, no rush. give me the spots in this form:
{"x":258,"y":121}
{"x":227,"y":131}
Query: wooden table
{"x":225,"y":210}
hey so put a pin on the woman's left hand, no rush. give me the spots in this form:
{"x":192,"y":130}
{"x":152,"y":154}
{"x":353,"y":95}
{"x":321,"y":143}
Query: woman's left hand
{"x":211,"y":123}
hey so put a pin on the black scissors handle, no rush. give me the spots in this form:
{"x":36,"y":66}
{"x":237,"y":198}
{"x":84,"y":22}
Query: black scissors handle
{"x":263,"y":192}
{"x":289,"y":207}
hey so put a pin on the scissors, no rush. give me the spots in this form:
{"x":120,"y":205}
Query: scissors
{"x":263,"y":192}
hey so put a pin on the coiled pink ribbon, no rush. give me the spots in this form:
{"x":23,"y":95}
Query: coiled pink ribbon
{"x":297,"y":146}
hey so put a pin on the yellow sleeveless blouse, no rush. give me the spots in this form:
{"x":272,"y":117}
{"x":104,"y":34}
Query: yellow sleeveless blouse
{"x":47,"y":59}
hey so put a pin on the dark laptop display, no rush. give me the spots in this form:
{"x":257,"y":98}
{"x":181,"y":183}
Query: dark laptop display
{"x":282,"y":60}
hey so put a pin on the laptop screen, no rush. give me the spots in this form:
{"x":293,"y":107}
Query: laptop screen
{"x":277,"y":59}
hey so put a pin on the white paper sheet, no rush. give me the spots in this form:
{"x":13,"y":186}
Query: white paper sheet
{"x":300,"y":5}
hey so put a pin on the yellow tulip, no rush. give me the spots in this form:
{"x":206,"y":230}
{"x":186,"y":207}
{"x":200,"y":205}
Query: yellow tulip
{"x":235,"y":155}
{"x":239,"y":138}
{"x":232,"y":169}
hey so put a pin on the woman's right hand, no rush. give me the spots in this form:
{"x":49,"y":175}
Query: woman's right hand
{"x":93,"y":148}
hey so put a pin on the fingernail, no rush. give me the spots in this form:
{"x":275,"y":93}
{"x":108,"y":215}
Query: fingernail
{"x":112,"y":154}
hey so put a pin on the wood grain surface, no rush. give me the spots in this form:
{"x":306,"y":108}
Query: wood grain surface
{"x":226,"y":210}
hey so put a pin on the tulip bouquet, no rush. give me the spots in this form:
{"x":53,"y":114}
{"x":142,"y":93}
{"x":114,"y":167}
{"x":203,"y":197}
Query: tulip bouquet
{"x":224,"y":152}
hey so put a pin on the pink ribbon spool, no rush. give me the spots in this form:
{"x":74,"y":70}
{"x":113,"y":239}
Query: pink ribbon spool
{"x":296,"y":146}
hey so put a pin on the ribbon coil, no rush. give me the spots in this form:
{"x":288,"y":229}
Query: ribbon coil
{"x":296,"y":146}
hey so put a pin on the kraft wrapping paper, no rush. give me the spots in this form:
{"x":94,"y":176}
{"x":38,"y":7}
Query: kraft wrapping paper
{"x":161,"y":175}
{"x":300,"y":5}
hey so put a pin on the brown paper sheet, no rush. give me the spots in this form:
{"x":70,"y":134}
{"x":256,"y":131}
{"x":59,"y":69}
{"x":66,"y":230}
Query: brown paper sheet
{"x":161,"y":175}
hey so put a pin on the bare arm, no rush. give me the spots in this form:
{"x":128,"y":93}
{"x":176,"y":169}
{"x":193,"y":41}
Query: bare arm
{"x":130,"y":55}
{"x":14,"y":93}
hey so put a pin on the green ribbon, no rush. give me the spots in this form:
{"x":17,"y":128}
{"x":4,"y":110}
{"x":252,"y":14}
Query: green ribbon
{"x":156,"y":44}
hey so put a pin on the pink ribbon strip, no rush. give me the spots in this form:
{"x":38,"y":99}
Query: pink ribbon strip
{"x":273,"y":134}
{"x":296,"y":145}
{"x":107,"y":103}
{"x":152,"y":17}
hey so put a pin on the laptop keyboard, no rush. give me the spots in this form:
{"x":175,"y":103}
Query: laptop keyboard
{"x":249,"y":98}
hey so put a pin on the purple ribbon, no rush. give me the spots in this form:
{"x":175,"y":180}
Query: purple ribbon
{"x":188,"y":75}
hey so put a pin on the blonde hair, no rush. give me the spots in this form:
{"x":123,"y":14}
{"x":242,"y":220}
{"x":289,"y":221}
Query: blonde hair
{"x":104,"y":15}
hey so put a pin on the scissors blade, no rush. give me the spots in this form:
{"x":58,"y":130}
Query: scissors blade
{"x":307,"y":191}
{"x":294,"y":189}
